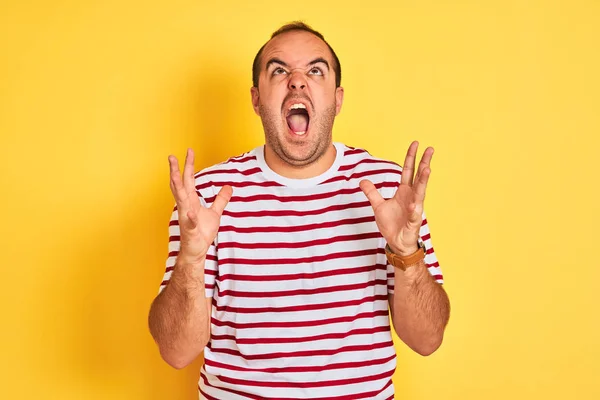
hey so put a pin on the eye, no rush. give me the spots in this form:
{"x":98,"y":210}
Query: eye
{"x":279,"y":71}
{"x":315,"y":71}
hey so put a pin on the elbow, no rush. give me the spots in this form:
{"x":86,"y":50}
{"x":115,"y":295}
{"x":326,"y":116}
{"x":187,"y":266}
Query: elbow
{"x":177,"y":361}
{"x":428,"y":347}
{"x":422,"y":343}
{"x":178,"y":356}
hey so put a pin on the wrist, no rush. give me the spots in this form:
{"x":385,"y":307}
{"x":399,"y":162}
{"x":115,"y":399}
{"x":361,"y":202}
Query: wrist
{"x":404,"y":251}
{"x":406,"y":259}
{"x":190,"y":261}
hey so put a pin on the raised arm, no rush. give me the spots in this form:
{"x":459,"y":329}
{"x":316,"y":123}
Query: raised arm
{"x":179,"y":318}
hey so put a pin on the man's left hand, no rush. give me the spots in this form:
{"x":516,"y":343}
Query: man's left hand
{"x":399,"y":218}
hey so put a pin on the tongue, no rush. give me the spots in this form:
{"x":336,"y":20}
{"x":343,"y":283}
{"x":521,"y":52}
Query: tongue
{"x":298,"y":123}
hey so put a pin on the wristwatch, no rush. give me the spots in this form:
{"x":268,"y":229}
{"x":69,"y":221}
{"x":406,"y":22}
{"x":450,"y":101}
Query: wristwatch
{"x":403,"y":262}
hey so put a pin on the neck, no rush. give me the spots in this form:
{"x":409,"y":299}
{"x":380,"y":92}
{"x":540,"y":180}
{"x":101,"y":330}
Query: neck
{"x":311,"y":170}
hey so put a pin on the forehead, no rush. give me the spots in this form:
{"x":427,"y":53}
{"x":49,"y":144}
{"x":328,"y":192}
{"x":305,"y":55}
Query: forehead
{"x":296,"y":48}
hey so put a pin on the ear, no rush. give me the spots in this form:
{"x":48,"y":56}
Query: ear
{"x":339,"y":99}
{"x":255,"y":99}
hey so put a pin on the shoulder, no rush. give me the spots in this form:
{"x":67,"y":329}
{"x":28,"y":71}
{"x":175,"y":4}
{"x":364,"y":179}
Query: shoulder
{"x":210,"y":179}
{"x":361,"y":160}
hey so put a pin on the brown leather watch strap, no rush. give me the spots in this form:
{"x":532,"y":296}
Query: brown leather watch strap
{"x":402,"y":262}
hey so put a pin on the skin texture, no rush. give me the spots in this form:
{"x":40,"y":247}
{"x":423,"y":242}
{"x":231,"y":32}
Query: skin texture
{"x":296,"y":67}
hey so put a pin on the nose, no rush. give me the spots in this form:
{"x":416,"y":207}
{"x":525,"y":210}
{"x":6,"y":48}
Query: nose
{"x":297,"y":81}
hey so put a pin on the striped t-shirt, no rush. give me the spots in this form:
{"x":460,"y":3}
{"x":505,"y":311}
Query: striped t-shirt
{"x":299,"y":281}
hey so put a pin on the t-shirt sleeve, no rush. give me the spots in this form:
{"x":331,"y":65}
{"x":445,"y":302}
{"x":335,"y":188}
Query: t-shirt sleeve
{"x":210,"y":266}
{"x":430,"y":258}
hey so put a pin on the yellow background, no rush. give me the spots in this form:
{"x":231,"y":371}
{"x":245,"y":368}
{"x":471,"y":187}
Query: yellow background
{"x":95,"y":94}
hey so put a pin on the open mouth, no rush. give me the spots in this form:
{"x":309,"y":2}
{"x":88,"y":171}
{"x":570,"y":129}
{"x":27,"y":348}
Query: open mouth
{"x":298,"y":119}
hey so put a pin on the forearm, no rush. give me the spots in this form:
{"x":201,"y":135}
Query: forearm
{"x":420,"y":310}
{"x":179,"y":319}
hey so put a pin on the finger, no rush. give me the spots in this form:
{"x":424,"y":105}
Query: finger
{"x":188,"y":172}
{"x":421,"y":185}
{"x":425,"y":161}
{"x":408,"y":169}
{"x":176,"y":184}
{"x":222,"y":199}
{"x":371,"y":192}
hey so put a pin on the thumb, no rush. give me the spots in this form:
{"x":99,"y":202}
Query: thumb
{"x":222,"y":199}
{"x":371,"y":192}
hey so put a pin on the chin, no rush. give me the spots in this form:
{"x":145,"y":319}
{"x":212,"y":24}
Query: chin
{"x":298,"y":156}
{"x":305,"y":153}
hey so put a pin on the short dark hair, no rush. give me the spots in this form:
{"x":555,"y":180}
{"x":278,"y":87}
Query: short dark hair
{"x":296,"y":26}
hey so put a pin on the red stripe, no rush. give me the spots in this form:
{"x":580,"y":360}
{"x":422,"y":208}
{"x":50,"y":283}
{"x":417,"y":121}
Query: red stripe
{"x":208,"y":397}
{"x":279,"y":340}
{"x":246,"y":395}
{"x":314,"y":275}
{"x":366,"y":161}
{"x":297,"y":245}
{"x":302,"y":292}
{"x":237,"y":184}
{"x":294,"y":213}
{"x":313,"y":259}
{"x":298,"y":324}
{"x":284,"y":384}
{"x":305,"y":353}
{"x":358,"y":396}
{"x":316,"y":368}
{"x":361,"y":174}
{"x":240,"y":159}
{"x":247,"y":172}
{"x":286,"y":199}
{"x":355,"y":151}
{"x":305,"y":307}
{"x":297,"y":228}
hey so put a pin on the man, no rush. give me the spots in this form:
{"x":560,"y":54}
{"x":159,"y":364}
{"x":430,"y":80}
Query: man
{"x":283,"y":261}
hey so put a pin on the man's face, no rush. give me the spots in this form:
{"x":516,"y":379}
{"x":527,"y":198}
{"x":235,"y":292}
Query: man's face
{"x":296,"y":98}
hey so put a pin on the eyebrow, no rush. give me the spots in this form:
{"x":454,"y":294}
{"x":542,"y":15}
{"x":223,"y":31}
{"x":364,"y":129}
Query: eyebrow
{"x":276,"y":60}
{"x":319,"y":60}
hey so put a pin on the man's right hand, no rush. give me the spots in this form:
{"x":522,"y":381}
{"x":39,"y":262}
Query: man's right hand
{"x":198,"y":225}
